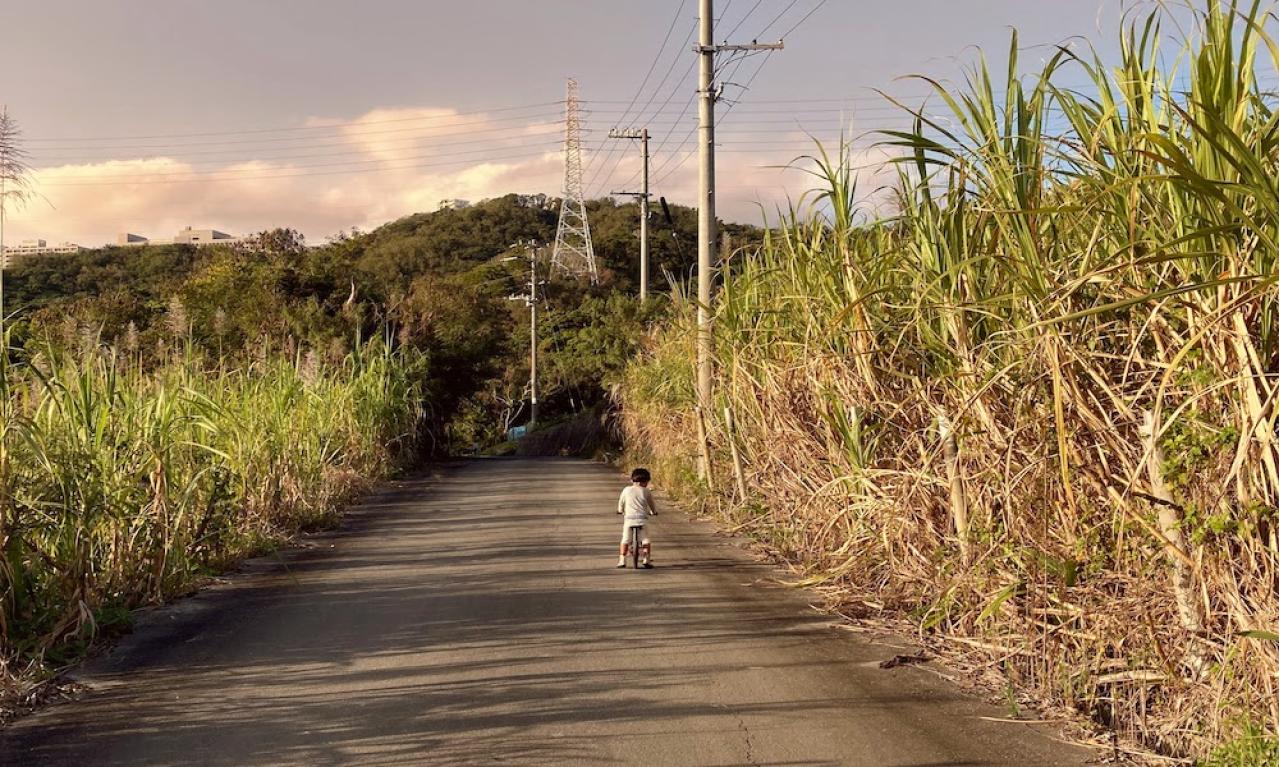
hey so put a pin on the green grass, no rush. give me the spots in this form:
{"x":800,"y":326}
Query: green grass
{"x":122,"y":485}
{"x":1251,"y":749}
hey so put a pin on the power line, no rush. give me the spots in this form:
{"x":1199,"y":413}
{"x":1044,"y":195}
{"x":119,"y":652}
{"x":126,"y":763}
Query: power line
{"x":613,"y":148}
{"x":748,"y":84}
{"x":495,"y":143}
{"x":742,"y":57}
{"x":670,"y":131}
{"x":352,"y":134}
{"x":1078,"y":88}
{"x":752,"y":118}
{"x":779,"y":120}
{"x":224,"y":171}
{"x":665,"y":77}
{"x":779,"y":17}
{"x":614,"y":168}
{"x":296,"y":143}
{"x":687,"y":137}
{"x":333,"y":126}
{"x":766,"y":144}
{"x":800,"y":23}
{"x":743,"y":20}
{"x":665,"y":41}
{"x":308,"y":142}
{"x":196,"y":179}
{"x":393,"y":144}
{"x":599,"y":169}
{"x":754,"y":108}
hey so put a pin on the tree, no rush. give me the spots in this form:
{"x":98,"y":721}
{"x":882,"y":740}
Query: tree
{"x":279,"y":242}
{"x":15,"y":186}
{"x":436,"y":282}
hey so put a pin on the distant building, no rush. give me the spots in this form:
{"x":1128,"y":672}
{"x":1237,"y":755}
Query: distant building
{"x":188,"y":236}
{"x":454,"y":204}
{"x":203,"y":237}
{"x":28,"y":248}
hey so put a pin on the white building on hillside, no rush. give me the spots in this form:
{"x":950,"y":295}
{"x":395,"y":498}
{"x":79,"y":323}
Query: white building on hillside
{"x":187,"y":236}
{"x":28,"y":248}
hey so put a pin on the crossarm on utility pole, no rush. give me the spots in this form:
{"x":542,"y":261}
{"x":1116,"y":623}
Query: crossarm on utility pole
{"x":642,"y":135}
{"x":707,"y":226}
{"x":726,"y":48}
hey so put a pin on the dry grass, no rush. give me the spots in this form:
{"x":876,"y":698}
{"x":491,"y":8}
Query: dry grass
{"x":1035,"y":411}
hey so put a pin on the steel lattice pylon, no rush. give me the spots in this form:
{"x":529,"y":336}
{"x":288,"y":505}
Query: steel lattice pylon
{"x":573,"y":250}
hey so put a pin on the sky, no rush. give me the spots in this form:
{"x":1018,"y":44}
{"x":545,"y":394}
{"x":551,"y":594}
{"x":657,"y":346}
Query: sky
{"x":241,"y":115}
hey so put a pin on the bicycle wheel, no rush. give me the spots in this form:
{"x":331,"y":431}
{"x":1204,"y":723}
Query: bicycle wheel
{"x":635,"y":544}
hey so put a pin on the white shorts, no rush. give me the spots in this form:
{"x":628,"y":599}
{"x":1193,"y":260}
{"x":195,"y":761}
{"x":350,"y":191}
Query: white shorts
{"x":626,"y":532}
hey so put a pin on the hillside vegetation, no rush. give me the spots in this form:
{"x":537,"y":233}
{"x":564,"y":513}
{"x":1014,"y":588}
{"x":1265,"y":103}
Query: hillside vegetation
{"x":437,"y":283}
{"x":1033,"y":412}
{"x":168,"y":410}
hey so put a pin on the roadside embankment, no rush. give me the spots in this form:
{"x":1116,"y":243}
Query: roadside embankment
{"x":1033,"y":413}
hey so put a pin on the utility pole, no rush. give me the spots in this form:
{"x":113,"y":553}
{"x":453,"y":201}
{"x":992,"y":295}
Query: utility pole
{"x":706,"y":224}
{"x":530,"y":300}
{"x":532,"y":348}
{"x":707,"y":235}
{"x":642,"y":197}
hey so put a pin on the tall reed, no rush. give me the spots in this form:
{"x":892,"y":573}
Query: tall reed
{"x":120,"y":485}
{"x":1034,"y":411}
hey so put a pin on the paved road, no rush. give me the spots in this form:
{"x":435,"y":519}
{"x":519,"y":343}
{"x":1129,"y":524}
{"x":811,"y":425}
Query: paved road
{"x":476,"y":619}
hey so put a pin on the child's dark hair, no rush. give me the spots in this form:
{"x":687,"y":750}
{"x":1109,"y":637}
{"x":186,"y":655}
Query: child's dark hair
{"x":641,"y":475}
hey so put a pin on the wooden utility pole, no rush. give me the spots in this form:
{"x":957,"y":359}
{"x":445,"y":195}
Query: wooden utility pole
{"x":707,"y":235}
{"x":642,"y":197}
{"x":705,"y":219}
{"x":530,"y":300}
{"x":532,"y":320}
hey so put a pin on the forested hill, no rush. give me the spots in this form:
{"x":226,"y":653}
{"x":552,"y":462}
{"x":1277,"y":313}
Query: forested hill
{"x":435,"y":281}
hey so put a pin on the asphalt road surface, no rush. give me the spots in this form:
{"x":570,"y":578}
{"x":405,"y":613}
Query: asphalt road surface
{"x":476,"y":618}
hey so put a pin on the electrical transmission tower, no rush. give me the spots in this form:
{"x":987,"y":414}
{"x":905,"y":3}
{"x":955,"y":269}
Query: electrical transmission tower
{"x":573,"y":250}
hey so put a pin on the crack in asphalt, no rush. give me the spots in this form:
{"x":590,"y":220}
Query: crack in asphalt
{"x":750,"y":745}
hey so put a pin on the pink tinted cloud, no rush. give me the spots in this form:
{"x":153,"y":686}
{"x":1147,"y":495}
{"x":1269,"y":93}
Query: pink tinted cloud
{"x":383,"y":165}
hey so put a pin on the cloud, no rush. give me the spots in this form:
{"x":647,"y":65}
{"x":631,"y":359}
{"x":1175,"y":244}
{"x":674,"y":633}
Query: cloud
{"x":754,"y":186}
{"x":385,"y":164}
{"x":329,"y":175}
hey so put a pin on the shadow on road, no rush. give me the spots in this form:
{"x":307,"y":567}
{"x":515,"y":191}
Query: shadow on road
{"x":454,"y":625}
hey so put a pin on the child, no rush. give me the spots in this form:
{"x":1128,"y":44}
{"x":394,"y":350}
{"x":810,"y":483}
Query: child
{"x":636,"y":503}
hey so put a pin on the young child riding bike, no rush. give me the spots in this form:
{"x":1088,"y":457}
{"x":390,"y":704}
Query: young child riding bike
{"x":636,"y":504}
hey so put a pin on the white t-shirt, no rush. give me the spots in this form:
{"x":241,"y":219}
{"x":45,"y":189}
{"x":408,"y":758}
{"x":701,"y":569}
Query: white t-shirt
{"x":637,"y":504}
